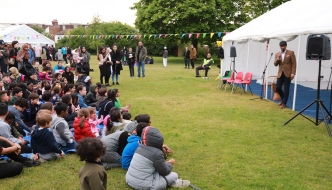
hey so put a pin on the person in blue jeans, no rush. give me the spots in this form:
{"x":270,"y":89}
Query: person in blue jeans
{"x":140,"y":55}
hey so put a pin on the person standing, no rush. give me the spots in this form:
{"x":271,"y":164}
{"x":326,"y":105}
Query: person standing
{"x":4,"y":55}
{"x":64,"y":53}
{"x":104,"y":67}
{"x":38,"y":53}
{"x":116,"y":66}
{"x":32,"y":54}
{"x":192,"y":56}
{"x":140,"y":56}
{"x":131,"y":62}
{"x":286,"y":61}
{"x":165,"y":55}
{"x":13,"y":53}
{"x":85,"y":61}
{"x":186,"y":58}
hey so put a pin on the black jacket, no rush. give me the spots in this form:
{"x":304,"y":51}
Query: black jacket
{"x":90,"y":98}
{"x":71,"y":115}
{"x":221,"y":53}
{"x":43,"y":142}
{"x":69,"y":76}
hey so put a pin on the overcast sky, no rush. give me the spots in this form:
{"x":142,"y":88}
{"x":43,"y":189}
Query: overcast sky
{"x":67,"y":11}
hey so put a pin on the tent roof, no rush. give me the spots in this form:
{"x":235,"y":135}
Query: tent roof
{"x":287,"y":21}
{"x":24,"y":34}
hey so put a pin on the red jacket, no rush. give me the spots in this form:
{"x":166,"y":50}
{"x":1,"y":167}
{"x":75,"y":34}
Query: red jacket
{"x":81,"y":133}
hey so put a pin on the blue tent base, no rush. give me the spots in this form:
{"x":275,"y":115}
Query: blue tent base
{"x":305,"y":95}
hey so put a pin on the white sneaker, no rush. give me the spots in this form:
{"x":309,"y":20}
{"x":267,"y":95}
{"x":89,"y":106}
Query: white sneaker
{"x":181,"y":183}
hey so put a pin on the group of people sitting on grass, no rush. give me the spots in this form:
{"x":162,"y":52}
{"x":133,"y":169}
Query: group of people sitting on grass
{"x":46,"y":116}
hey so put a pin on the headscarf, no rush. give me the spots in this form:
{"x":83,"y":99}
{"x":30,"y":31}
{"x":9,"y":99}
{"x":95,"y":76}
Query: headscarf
{"x":14,"y":73}
{"x":23,"y":53}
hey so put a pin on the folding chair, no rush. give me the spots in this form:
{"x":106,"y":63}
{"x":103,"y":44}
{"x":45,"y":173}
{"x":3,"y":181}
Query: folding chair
{"x":238,"y":79}
{"x":225,"y":78}
{"x":247,"y":80}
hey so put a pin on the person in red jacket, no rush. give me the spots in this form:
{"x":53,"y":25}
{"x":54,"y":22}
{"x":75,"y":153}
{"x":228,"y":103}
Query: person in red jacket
{"x":81,"y":125}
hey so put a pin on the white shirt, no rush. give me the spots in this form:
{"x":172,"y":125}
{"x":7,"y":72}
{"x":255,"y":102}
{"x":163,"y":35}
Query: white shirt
{"x":283,"y":55}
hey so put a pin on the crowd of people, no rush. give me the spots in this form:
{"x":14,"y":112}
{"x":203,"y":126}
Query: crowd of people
{"x":46,"y":114}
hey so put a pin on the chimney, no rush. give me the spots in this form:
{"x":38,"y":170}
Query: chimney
{"x":55,"y":22}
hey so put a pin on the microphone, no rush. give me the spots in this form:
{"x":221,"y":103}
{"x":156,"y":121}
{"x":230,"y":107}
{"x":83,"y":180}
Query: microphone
{"x":271,"y":54}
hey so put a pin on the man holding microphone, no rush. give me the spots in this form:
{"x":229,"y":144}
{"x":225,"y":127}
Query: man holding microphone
{"x":286,"y":72}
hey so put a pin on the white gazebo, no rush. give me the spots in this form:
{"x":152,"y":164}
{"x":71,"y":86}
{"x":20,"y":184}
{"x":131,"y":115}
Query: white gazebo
{"x":292,"y":21}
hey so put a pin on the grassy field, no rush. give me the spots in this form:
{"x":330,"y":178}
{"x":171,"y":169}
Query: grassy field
{"x":220,"y":140}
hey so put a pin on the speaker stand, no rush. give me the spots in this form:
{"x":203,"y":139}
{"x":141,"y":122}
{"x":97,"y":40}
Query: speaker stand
{"x":319,"y":107}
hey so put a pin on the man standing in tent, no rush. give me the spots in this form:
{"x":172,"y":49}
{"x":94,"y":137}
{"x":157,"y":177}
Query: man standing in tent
{"x":286,"y":72}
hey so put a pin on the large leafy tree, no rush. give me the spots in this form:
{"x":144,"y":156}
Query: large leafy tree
{"x":188,"y":16}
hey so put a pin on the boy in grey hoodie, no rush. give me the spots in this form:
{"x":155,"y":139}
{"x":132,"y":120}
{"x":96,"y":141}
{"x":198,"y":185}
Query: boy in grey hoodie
{"x":60,"y":129}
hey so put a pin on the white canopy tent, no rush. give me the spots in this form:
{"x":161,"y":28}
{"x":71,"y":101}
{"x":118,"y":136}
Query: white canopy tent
{"x":24,"y":34}
{"x":291,"y":21}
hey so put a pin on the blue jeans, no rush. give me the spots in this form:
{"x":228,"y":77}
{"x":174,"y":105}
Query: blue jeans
{"x":116,"y":77}
{"x":141,"y":65}
{"x":186,"y":63}
{"x":69,"y":146}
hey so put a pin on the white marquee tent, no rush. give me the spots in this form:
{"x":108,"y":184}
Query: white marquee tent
{"x":24,"y":34}
{"x":292,"y":21}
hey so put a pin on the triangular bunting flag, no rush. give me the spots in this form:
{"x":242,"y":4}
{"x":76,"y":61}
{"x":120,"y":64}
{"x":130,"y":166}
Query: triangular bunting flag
{"x":204,"y":34}
{"x":144,"y":36}
{"x":90,"y":37}
{"x":150,"y":36}
{"x":190,"y":35}
{"x":139,"y":36}
{"x":97,"y":36}
{"x":183,"y":35}
{"x":28,"y":38}
{"x":165,"y":35}
{"x":113,"y":36}
{"x":155,"y":35}
{"x":160,"y":35}
{"x":227,"y":33}
{"x":117,"y":36}
{"x":197,"y":35}
{"x":171,"y":35}
{"x":211,"y":35}
{"x":176,"y":34}
{"x":219,"y":34}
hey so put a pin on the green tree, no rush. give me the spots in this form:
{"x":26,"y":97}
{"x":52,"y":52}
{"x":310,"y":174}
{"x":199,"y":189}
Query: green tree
{"x":100,"y":29}
{"x":38,"y":29}
{"x":188,"y":16}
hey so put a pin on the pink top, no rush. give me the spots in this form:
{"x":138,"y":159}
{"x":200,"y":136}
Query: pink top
{"x":93,"y":125}
{"x":44,"y":76}
{"x":76,"y":57}
{"x":105,"y":120}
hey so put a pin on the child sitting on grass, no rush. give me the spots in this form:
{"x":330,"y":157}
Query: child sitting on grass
{"x":42,"y":140}
{"x":82,"y":126}
{"x":93,"y":121}
{"x":92,"y":175}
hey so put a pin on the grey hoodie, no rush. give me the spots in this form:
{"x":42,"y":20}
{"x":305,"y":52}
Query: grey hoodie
{"x":148,"y":167}
{"x":61,"y":132}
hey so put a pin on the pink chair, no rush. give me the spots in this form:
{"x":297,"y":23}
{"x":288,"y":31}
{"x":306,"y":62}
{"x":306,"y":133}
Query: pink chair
{"x":237,"y":80}
{"x":247,"y":80}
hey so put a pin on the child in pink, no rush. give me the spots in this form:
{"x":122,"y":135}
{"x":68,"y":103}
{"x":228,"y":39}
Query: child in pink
{"x":93,"y":121}
{"x":43,"y":75}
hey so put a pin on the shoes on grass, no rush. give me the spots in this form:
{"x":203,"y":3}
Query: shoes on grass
{"x":205,"y":77}
{"x":30,"y":163}
{"x":117,"y":83}
{"x":198,"y":75}
{"x":181,"y":183}
{"x":113,"y":83}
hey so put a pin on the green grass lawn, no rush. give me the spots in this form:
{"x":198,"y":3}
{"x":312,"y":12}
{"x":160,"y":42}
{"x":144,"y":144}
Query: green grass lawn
{"x":220,"y":140}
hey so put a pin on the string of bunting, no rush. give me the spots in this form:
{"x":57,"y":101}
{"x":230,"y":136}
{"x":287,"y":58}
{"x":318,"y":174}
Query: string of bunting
{"x":149,"y":36}
{"x":131,"y":36}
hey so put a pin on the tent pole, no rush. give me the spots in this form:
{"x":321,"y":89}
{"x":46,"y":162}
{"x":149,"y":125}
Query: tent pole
{"x":248,"y":60}
{"x":297,"y":64}
{"x":267,"y":69}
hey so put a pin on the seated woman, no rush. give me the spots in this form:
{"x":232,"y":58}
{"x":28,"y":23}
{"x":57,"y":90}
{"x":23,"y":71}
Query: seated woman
{"x":90,"y":98}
